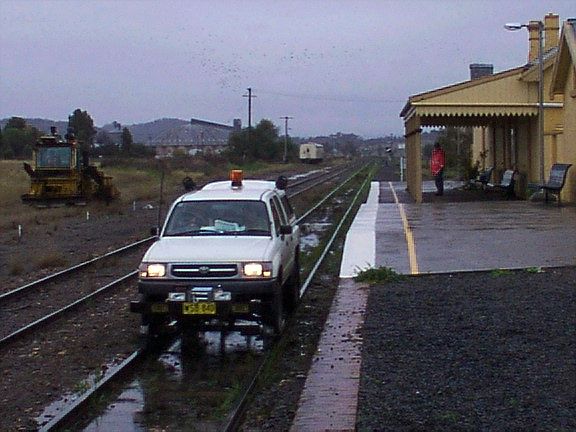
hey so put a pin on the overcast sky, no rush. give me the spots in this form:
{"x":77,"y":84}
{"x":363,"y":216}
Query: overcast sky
{"x":334,"y":66}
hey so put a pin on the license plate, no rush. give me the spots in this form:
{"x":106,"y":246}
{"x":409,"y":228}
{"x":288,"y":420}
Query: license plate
{"x":159,"y":308}
{"x":241,"y":308}
{"x":200,"y":308}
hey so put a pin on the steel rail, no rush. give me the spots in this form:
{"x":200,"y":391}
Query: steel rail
{"x":51,"y":278}
{"x":70,"y":270}
{"x":122,"y":368}
{"x":119,"y":371}
{"x":235,"y":417}
{"x":114,"y":373}
{"x":307,"y":179}
{"x":328,"y":177}
{"x":311,"y":210}
{"x":57,"y":314}
{"x":79,"y":266}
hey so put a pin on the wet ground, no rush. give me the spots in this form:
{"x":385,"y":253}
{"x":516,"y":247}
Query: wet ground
{"x":450,"y":235}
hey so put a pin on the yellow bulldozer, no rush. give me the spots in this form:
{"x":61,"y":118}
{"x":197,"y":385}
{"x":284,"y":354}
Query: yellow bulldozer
{"x":62,"y":174}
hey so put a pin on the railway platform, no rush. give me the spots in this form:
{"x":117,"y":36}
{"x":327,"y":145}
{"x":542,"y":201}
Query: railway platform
{"x":430,"y":238}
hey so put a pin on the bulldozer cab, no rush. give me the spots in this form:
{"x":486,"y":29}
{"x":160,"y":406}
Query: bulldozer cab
{"x":60,"y":177}
{"x":55,"y":157}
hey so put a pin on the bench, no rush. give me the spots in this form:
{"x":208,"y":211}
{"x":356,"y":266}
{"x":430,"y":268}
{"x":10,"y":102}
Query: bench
{"x":483,"y":178}
{"x":506,"y":184}
{"x":556,"y":180}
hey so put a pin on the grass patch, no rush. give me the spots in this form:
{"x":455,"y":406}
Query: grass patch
{"x":15,"y":269}
{"x":51,"y":260}
{"x":500,"y":272}
{"x":535,"y":270}
{"x":375,"y":275}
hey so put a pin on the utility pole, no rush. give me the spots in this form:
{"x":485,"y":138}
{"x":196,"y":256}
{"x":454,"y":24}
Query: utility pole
{"x":249,"y":96}
{"x":286,"y":118}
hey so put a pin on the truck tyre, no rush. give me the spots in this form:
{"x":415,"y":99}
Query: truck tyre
{"x":274,"y":313}
{"x":154,"y":324}
{"x":292,"y":288}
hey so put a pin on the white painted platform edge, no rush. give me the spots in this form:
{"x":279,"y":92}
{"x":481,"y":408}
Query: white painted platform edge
{"x":360,"y":244}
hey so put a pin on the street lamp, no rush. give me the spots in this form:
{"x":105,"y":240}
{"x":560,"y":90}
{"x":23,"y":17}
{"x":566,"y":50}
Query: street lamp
{"x":539,"y":26}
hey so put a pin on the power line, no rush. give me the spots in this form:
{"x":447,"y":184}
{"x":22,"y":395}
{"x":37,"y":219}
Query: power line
{"x":331,"y":98}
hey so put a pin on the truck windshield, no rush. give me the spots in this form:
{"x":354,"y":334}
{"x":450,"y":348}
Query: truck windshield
{"x":201,"y":218}
{"x":53,"y":157}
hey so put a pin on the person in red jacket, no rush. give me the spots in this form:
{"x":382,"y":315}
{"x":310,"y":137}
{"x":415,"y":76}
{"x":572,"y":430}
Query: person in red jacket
{"x":437,"y":162}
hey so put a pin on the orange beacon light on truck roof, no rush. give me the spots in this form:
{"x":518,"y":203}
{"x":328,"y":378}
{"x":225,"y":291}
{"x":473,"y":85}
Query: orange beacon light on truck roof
{"x":236,"y":177}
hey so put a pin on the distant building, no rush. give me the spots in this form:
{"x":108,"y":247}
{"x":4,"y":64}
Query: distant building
{"x":197,"y":137}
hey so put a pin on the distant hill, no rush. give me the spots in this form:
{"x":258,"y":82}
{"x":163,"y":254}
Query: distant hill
{"x":145,"y":133}
{"x":42,"y":125}
{"x":141,"y":133}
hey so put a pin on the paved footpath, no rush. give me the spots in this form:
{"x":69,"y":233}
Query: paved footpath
{"x":413,"y":239}
{"x":330,"y":396}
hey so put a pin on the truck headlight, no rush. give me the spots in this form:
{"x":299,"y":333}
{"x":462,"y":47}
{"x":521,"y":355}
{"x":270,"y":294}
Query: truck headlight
{"x":153,"y":270}
{"x":257,"y":269}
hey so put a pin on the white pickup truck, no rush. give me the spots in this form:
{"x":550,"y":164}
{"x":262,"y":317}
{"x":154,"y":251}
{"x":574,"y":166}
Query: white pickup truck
{"x":226,"y":252}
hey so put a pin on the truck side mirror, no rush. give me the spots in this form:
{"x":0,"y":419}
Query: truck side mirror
{"x":285,"y":229}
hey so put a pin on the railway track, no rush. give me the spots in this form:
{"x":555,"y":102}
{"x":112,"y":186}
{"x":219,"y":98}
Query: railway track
{"x":98,"y":276}
{"x":59,"y":281}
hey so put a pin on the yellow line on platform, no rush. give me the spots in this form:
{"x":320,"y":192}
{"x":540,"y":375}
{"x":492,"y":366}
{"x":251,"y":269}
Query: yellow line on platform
{"x":408,"y":233}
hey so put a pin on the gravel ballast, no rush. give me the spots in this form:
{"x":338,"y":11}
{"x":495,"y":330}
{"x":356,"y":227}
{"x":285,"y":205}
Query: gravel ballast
{"x":471,"y":351}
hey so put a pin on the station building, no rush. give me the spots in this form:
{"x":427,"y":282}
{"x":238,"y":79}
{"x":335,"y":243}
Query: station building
{"x":502,"y":109}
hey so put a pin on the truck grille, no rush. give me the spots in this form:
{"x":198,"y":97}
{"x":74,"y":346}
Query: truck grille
{"x":204,"y":270}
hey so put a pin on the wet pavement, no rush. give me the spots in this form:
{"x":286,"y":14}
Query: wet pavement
{"x":469,"y":236}
{"x":329,"y":399}
{"x":436,"y":237}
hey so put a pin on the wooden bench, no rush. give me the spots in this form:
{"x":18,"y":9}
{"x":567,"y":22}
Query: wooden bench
{"x":556,"y":180}
{"x":506,"y":184}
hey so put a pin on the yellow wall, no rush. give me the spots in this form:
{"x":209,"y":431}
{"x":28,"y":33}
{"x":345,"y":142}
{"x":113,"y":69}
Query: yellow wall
{"x":566,"y":143}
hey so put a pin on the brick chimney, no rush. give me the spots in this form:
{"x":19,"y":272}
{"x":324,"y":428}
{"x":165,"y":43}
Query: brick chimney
{"x":533,"y":38}
{"x":550,"y":34}
{"x":551,"y":31}
{"x":480,"y":70}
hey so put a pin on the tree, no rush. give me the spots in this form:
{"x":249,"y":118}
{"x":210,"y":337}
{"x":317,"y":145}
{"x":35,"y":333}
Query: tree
{"x":83,"y":127}
{"x":127,"y":141}
{"x":16,"y":123}
{"x":2,"y":149}
{"x":18,"y":139}
{"x":259,"y":143}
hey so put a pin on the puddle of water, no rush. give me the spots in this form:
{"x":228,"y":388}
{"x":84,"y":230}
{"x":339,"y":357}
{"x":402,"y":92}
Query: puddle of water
{"x":121,"y":415}
{"x":310,"y":237}
{"x":309,"y":242}
{"x":55,"y":408}
{"x":188,"y":387}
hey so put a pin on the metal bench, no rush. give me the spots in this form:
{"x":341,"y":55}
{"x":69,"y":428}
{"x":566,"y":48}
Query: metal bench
{"x":556,"y":180}
{"x":506,"y":184}
{"x":484,"y":177}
